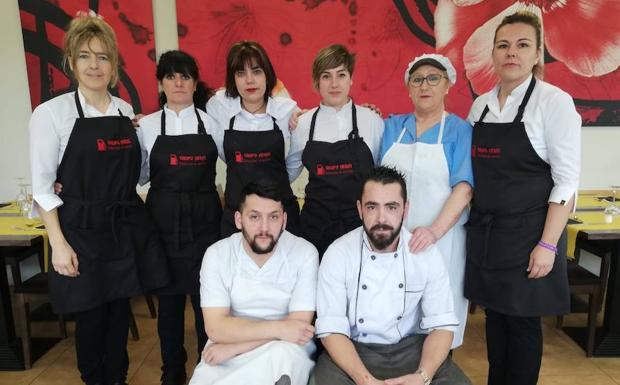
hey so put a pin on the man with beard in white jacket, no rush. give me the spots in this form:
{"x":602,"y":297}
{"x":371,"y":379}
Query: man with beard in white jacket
{"x":258,"y":296}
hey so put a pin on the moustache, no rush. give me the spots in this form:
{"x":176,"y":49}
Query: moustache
{"x":381,"y":227}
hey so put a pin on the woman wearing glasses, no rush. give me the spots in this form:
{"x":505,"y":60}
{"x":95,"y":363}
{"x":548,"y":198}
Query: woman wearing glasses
{"x":432,"y":150}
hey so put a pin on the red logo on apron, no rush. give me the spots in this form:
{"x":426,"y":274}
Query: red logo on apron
{"x":334,"y":169}
{"x":101,"y":146}
{"x":174,"y":161}
{"x":238,"y":157}
{"x":473,"y":150}
{"x":252,"y":157}
{"x":320,"y":169}
{"x":487,"y":152}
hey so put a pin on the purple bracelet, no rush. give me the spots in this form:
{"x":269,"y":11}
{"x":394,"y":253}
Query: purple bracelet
{"x":548,"y":246}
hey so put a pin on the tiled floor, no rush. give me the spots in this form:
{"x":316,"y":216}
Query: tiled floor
{"x":564,"y":363}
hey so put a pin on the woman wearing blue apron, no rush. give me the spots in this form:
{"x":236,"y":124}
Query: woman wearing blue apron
{"x":254,"y":128}
{"x":525,"y":157}
{"x":338,"y":143}
{"x":105,"y":248}
{"x":432,"y":150}
{"x":179,"y":157}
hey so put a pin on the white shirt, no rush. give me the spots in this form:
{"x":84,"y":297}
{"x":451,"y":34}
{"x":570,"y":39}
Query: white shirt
{"x":221,"y":108}
{"x":553,"y":127}
{"x":332,"y":126}
{"x":395,"y":294}
{"x":50,"y":127}
{"x":294,"y":264}
{"x":182,"y":124}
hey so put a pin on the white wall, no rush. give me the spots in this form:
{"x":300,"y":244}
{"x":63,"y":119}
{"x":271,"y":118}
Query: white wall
{"x":600,"y":145}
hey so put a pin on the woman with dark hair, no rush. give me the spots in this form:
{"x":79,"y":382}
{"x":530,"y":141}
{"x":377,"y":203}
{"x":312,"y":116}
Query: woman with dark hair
{"x":105,"y":249}
{"x":179,"y":156}
{"x":525,"y":159}
{"x":253,"y":126}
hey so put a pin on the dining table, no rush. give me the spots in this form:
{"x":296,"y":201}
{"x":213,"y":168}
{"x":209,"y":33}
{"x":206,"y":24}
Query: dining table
{"x":16,"y":233}
{"x":590,"y":229}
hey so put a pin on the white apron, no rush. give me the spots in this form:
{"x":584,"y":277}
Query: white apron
{"x":255,"y":298}
{"x":426,"y":173}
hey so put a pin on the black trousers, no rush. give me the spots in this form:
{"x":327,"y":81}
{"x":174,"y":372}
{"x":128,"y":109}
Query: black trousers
{"x":514,"y":346}
{"x":101,"y":343}
{"x":171,"y":329}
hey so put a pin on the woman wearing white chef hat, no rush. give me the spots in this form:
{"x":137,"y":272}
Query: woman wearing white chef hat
{"x":432,"y":149}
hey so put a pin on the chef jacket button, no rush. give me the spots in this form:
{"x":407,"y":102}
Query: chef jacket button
{"x":361,"y":320}
{"x":400,"y":285}
{"x":399,"y":317}
{"x":395,"y":255}
{"x":372,"y":257}
{"x":364,"y":287}
{"x":364,"y":334}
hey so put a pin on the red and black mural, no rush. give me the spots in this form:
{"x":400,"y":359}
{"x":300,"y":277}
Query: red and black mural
{"x":43,"y":25}
{"x":582,"y":44}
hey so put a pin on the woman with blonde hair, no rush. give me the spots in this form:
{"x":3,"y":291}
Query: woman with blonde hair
{"x":105,"y":250}
{"x":525,"y":159}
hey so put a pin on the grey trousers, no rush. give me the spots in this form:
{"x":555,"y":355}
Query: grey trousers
{"x":388,"y":361}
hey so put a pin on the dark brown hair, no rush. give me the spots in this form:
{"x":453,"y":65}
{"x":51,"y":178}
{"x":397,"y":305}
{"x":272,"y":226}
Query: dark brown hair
{"x":248,"y":53}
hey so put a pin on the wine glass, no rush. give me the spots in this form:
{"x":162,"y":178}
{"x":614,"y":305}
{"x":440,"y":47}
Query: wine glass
{"x":613,"y":209}
{"x":24,"y":197}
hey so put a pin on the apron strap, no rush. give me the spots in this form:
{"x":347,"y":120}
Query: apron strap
{"x":312,"y":122}
{"x":441,"y":126}
{"x":521,"y":110}
{"x":78,"y":105}
{"x":163,"y":122}
{"x":526,"y":99}
{"x":354,"y":134}
{"x":201,"y":125}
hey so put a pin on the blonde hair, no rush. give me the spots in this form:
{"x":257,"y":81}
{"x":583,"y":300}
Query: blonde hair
{"x":82,"y":29}
{"x":335,"y":55}
{"x":531,"y":19}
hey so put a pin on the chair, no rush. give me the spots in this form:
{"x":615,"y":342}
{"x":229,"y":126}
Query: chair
{"x":582,"y":281}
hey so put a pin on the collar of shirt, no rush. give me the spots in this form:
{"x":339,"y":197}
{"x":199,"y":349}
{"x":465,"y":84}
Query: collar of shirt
{"x":92,"y":112}
{"x":367,"y":250}
{"x":270,"y":269}
{"x":184,"y":113}
{"x":331,"y":111}
{"x":275,"y":109}
{"x":515,"y":97}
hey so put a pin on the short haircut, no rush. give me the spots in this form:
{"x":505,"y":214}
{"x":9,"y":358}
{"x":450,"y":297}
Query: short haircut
{"x":386,"y":175}
{"x":82,"y":29}
{"x":528,"y":18}
{"x":248,"y":53}
{"x":264,"y":188}
{"x":331,"y":57}
{"x":171,"y":62}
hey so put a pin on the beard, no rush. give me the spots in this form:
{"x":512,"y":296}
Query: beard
{"x":256,"y":248}
{"x":382,"y":241}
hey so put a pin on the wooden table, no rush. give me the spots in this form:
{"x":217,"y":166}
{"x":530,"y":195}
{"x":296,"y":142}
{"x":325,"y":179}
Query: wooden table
{"x":607,"y":343}
{"x":11,"y":354}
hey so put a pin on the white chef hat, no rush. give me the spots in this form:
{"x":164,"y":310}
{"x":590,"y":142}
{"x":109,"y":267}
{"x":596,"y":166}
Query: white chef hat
{"x":432,"y":59}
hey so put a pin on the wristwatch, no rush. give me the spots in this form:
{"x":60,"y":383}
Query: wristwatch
{"x":425,"y":377}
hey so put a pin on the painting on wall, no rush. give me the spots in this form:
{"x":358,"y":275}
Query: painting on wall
{"x":43,"y":25}
{"x":581,"y":37}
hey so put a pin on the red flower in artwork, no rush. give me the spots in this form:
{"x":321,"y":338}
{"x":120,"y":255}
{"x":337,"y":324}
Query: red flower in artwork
{"x":583,"y":35}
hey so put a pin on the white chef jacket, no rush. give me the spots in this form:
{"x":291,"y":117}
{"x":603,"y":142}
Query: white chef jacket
{"x":382,"y":298}
{"x":50,"y":127}
{"x":293,"y":265}
{"x":332,"y":126}
{"x":182,"y":124}
{"x":553,"y":127}
{"x":221,"y":108}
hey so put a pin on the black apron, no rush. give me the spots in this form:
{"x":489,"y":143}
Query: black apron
{"x":184,"y":203}
{"x":509,"y":208}
{"x":253,"y":155}
{"x":104,"y":220}
{"x":336,"y":171}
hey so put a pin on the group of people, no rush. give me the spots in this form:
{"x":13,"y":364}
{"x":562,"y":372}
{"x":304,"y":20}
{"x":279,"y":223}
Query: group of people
{"x":409,"y":217}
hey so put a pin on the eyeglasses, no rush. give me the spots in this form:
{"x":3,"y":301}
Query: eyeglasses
{"x":432,"y":80}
